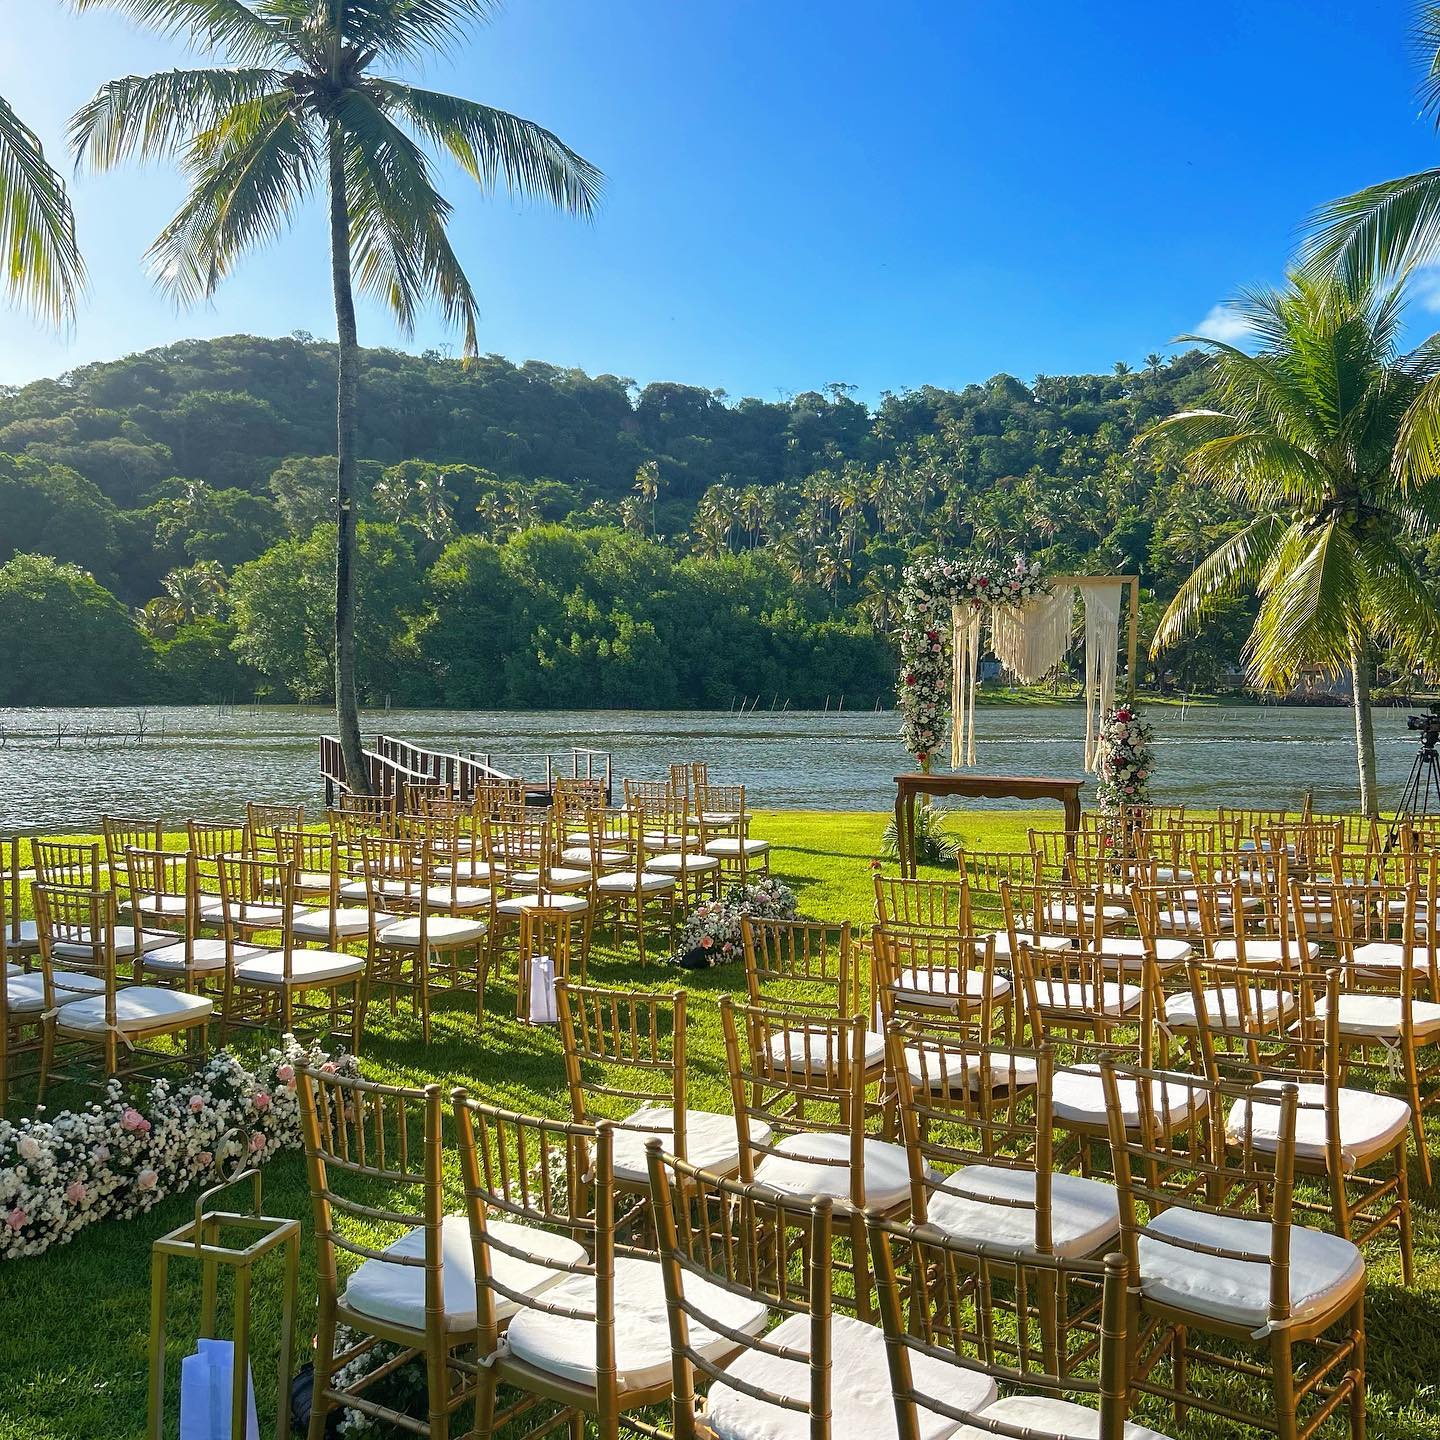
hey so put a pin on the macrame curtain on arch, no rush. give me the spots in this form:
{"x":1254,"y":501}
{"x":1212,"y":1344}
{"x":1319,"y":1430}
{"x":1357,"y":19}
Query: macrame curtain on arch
{"x":1031,"y":639}
{"x":1102,"y":641}
{"x":965,"y":648}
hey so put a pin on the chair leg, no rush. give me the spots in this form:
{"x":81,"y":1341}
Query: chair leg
{"x":1407,"y":1247}
{"x":1357,"y":1372}
{"x":324,"y":1372}
{"x":1283,"y":1384}
{"x":1417,"y":1116}
{"x":47,"y":1058}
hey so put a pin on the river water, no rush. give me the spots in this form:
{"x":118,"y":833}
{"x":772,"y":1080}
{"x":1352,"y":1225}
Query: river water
{"x":205,"y":761}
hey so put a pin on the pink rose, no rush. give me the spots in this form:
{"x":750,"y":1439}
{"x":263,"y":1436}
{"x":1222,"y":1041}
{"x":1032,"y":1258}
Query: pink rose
{"x":16,"y":1219}
{"x":286,"y":1074}
{"x":205,"y":1159}
{"x":328,"y":1068}
{"x":147,"y":1180}
{"x":196,"y":1104}
{"x":706,"y":942}
{"x":100,"y":1154}
{"x":132,"y":1119}
{"x":257,"y":1142}
{"x":261,"y":1100}
{"x":75,"y":1192}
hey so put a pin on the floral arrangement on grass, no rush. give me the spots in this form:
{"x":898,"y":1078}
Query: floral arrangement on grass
{"x":712,"y":933}
{"x":1127,"y":763}
{"x":123,"y":1154}
{"x":929,"y":588}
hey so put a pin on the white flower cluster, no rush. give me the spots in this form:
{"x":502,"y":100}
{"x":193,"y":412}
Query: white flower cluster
{"x":1127,"y":762}
{"x":930,"y":587}
{"x":122,"y":1155}
{"x":403,"y":1389}
{"x":712,"y":933}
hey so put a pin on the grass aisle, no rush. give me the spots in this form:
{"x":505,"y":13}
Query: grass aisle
{"x":73,"y":1323}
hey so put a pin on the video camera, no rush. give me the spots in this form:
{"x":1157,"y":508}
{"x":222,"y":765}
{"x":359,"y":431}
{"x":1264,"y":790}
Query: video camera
{"x":1427,"y":725}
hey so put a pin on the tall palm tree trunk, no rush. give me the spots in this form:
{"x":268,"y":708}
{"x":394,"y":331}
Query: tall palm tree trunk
{"x":1364,"y":726}
{"x":347,"y":709}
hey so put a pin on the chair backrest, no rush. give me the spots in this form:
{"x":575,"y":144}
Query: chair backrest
{"x":261,"y":822}
{"x":375,"y":812}
{"x":1183,"y":910}
{"x":316,"y":856}
{"x":957,"y":1316}
{"x":120,"y":833}
{"x":9,"y":894}
{"x":73,"y":864}
{"x":396,"y":870}
{"x":1049,"y":907}
{"x":797,"y":1073}
{"x":752,"y":1244}
{"x":252,"y":886}
{"x":374,"y":1160}
{"x":623,"y":1049}
{"x":922,"y":904}
{"x":164,"y":890}
{"x":986,"y":871}
{"x":208,"y":841}
{"x":1185,"y":1156}
{"x":519,"y":842}
{"x":83,"y":922}
{"x":1075,"y":1001}
{"x":930,"y":971}
{"x":804,"y":964}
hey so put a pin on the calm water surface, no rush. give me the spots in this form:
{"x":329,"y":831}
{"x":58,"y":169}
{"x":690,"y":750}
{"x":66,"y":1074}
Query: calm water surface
{"x":204,"y":761}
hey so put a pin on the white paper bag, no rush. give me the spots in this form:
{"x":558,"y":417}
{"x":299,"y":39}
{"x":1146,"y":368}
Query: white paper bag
{"x":542,"y":990}
{"x":205,"y":1394}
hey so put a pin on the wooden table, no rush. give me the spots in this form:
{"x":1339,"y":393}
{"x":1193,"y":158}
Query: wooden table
{"x":1016,"y":787}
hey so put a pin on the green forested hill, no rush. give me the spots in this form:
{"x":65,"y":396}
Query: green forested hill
{"x":710,"y":547}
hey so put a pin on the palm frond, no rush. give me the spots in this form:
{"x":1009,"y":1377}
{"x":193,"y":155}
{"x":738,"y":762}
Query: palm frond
{"x":490,"y":144}
{"x":1226,"y":572}
{"x":153,"y":116}
{"x":247,"y":173}
{"x":1309,"y":607}
{"x":402,"y":254}
{"x":1417,"y":444}
{"x":1426,"y":35}
{"x":1383,"y":229}
{"x":42,"y":268}
{"x":404,"y":29}
{"x":239,"y":29}
{"x":1399,"y":604}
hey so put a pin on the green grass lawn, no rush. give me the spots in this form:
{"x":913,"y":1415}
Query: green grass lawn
{"x":73,"y":1323}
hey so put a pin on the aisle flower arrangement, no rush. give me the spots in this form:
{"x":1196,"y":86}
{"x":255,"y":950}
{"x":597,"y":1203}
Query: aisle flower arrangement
{"x":1127,"y":762}
{"x":125,"y":1153}
{"x":712,"y":933}
{"x":930,"y":587}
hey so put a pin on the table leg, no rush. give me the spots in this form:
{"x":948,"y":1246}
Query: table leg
{"x":905,"y":831}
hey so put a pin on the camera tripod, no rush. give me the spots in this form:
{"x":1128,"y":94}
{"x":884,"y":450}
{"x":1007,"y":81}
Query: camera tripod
{"x":1422,"y":788}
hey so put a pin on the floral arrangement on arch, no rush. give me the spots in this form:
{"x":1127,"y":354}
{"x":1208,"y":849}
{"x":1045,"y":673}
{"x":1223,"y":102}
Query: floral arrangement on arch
{"x":928,"y":590}
{"x":122,"y":1155}
{"x":712,"y":933}
{"x":1127,"y":763}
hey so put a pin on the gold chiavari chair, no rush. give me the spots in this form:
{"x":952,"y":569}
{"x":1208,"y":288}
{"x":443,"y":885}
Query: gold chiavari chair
{"x":77,"y":865}
{"x":625,"y":1052}
{"x":262,"y":821}
{"x":519,"y":849}
{"x":636,"y":899}
{"x":87,"y":1005}
{"x":545,"y":935}
{"x":165,"y":890}
{"x":322,"y":868}
{"x":1353,"y":1139}
{"x":1388,"y":1002}
{"x":373,"y":812}
{"x":594,"y":836}
{"x":418,"y":794}
{"x":666,"y":844}
{"x":922,"y":904}
{"x":956,"y":1315}
{"x":805,"y":965}
{"x":1252,"y":921}
{"x":207,"y":841}
{"x":935,"y":972}
{"x":459,"y":873}
{"x":375,"y":1161}
{"x":119,"y":833}
{"x":22,"y":938}
{"x":417,"y":942}
{"x":1207,"y":1230}
{"x":272,"y":988}
{"x":804,"y":1076}
{"x":816,"y":1372}
{"x":978,"y":1126}
{"x":588,"y":1336}
{"x":725,"y":833}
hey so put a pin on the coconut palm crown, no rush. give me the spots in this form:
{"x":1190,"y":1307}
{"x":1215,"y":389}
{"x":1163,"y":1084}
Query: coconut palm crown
{"x":303,"y":106}
{"x":1309,"y":436}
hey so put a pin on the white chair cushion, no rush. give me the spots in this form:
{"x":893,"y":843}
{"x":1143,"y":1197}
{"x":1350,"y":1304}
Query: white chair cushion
{"x":473,"y":869}
{"x":729,"y":849}
{"x":1067,"y":914}
{"x":564,"y":1347}
{"x":1388,"y":955}
{"x":138,"y":1007}
{"x":943,"y":986}
{"x":466,"y":897}
{"x":1084,"y":1214}
{"x":1048,"y":1417}
{"x":1169,"y":950}
{"x":938,"y":1071}
{"x":711,"y":1141}
{"x":692,"y":864}
{"x":126,"y":943}
{"x":257,"y":916}
{"x":1370,"y":1125}
{"x":1263,"y":952}
{"x":624,"y":882}
{"x":581,"y":855}
{"x":811,"y":1053}
{"x":25,"y":936}
{"x":206,"y":954}
{"x":1222,"y":1007}
{"x":164,"y":905}
{"x":561,"y":878}
{"x":307,"y":967}
{"x":212,"y":912}
{"x":861,"y":1406}
{"x":1027,"y":937}
{"x":449,"y":931}
{"x":1323,"y":1268}
{"x":518,"y":904}
{"x":397,"y":1292}
{"x":1379,"y":1016}
{"x":350,"y":921}
{"x":1078,"y":1098}
{"x":25,"y":994}
{"x":1115,"y":997}
{"x":795,"y":1171}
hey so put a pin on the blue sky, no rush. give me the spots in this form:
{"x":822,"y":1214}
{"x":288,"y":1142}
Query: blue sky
{"x":882,"y":194}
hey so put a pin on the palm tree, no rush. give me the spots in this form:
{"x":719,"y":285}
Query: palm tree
{"x":1386,"y":229}
{"x":1309,"y":435}
{"x":647,"y":488}
{"x":194,"y":591}
{"x":39,"y":258}
{"x":301,"y":105}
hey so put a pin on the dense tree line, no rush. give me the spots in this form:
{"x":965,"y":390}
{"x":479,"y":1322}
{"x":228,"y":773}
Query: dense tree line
{"x":535,"y":536}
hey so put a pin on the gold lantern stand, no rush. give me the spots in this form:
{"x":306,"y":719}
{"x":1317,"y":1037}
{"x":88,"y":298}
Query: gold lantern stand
{"x":200,"y":1239}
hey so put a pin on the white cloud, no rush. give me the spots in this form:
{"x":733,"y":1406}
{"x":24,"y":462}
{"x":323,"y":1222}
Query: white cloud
{"x":1425,"y":288}
{"x":1230,"y":327}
